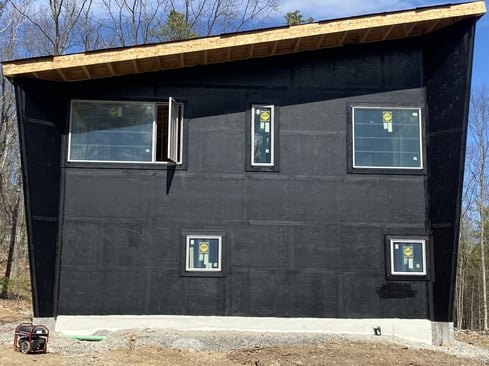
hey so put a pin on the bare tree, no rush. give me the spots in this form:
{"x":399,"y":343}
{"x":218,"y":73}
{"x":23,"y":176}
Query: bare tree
{"x":208,"y":17}
{"x":135,"y":22}
{"x":131,"y":21}
{"x":479,"y":136}
{"x":11,"y":199}
{"x":56,"y":22}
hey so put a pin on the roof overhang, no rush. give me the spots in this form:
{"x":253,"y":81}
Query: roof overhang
{"x":243,"y":45}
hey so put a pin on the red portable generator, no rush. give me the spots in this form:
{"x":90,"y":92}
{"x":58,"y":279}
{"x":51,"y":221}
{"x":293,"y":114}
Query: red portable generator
{"x":30,"y":338}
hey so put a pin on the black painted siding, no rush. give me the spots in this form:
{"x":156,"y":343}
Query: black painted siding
{"x":449,"y":75}
{"x":305,"y":241}
{"x":41,"y":124}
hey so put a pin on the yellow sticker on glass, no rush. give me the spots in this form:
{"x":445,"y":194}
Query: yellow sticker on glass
{"x":408,"y":252}
{"x":265,"y":116}
{"x":203,"y":247}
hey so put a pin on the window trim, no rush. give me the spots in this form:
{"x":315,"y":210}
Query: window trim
{"x":353,"y":168}
{"x":189,"y":269}
{"x":391,"y":273}
{"x":179,"y":136}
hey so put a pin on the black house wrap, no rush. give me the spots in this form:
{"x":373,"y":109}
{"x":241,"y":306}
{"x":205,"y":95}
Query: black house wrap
{"x":315,"y":233}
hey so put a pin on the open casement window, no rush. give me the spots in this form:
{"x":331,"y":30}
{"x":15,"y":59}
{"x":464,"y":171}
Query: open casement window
{"x":174,"y":132}
{"x":387,"y":138}
{"x":126,"y":132}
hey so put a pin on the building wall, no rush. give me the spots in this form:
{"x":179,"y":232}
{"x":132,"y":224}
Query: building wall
{"x":308,"y":240}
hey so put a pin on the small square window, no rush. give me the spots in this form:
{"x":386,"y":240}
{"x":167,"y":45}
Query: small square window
{"x":203,"y":253}
{"x":387,"y":138}
{"x":407,"y":257}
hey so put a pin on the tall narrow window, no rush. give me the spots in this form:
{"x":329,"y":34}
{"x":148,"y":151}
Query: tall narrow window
{"x":128,"y":132}
{"x":386,"y":137}
{"x":262,"y":135}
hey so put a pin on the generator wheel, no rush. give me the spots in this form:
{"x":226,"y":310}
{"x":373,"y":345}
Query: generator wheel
{"x":24,"y":346}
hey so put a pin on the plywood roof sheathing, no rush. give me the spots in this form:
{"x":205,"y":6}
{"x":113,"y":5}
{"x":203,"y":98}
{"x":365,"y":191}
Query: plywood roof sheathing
{"x":244,"y":45}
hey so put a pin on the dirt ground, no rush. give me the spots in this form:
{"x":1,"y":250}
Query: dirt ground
{"x":332,"y":353}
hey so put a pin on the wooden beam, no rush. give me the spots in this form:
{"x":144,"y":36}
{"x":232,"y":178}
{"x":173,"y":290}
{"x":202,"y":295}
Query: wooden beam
{"x":87,"y":72}
{"x":320,"y":41}
{"x":365,"y":35}
{"x":387,"y":33}
{"x":342,"y":37}
{"x":432,"y":26}
{"x":62,"y":74}
{"x":274,"y":48}
{"x":135,"y":66}
{"x":409,"y":28}
{"x":297,"y":44}
{"x":110,"y":68}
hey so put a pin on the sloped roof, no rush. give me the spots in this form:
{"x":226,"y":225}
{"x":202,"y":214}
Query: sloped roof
{"x":243,"y":45}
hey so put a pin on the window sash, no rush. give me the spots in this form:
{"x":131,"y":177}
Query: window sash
{"x":173,"y":131}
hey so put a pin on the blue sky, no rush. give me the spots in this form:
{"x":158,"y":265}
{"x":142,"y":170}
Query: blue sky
{"x":330,"y":9}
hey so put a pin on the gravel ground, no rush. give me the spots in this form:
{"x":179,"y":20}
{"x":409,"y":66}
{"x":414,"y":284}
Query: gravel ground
{"x":223,"y":341}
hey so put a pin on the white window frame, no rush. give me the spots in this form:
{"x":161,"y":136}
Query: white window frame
{"x":175,"y":132}
{"x":189,"y":254}
{"x":392,"y":242}
{"x":272,"y":135}
{"x":387,"y":108}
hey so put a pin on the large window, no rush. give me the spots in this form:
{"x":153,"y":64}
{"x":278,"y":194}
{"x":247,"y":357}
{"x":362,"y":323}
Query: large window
{"x":387,"y":138}
{"x":143,"y":132}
